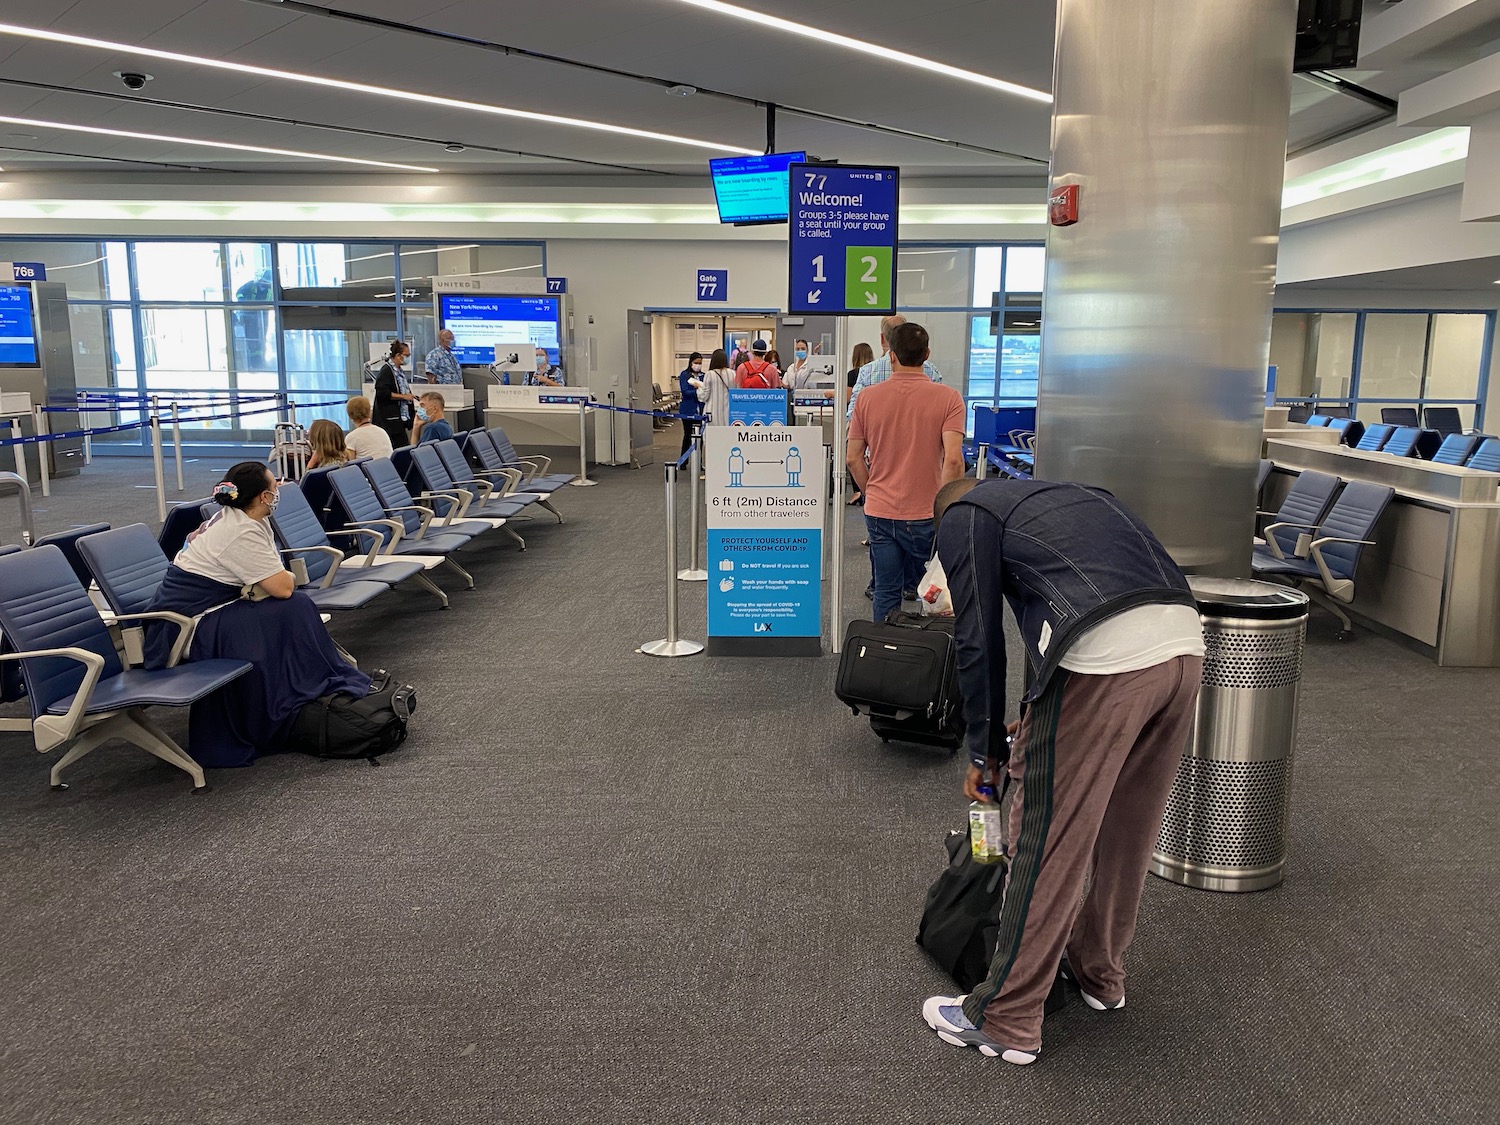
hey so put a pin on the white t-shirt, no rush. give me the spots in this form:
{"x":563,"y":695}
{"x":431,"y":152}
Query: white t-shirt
{"x":368,"y":441}
{"x":231,"y":548}
{"x":1138,"y":638}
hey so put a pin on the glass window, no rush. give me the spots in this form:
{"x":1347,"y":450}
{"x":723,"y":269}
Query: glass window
{"x":250,"y":271}
{"x":1456,"y":353}
{"x":360,"y":271}
{"x":1393,"y":355}
{"x":326,"y":349}
{"x":184,"y":349}
{"x":989,"y":262}
{"x":179,"y":271}
{"x":1025,"y":268}
{"x":1289,"y":354}
{"x":927,"y":276}
{"x":1330,"y":352}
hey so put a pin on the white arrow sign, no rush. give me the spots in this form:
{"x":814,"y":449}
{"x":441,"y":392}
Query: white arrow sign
{"x":871,"y":299}
{"x":814,"y":296}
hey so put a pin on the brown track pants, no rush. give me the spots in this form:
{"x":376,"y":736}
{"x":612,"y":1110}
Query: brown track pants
{"x":1094,"y":762}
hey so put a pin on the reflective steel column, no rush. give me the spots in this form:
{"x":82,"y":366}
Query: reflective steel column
{"x":1172,"y":119}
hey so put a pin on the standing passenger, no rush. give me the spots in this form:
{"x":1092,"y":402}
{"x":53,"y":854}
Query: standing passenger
{"x":714,"y":393}
{"x":689,"y":407}
{"x":755,"y":373}
{"x":394,"y":402}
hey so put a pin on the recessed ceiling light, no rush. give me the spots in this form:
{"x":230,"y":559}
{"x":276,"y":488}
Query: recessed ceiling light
{"x":70,"y":128}
{"x":886,"y":54}
{"x":50,"y":36}
{"x":682,"y":91}
{"x":454,"y":146}
{"x":21,"y":136}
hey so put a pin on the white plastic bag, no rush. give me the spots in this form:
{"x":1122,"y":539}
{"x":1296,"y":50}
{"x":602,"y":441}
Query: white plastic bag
{"x":932,"y":591}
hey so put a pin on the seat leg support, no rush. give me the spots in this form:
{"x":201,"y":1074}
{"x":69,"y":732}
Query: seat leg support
{"x":464,"y":574}
{"x":548,"y":505}
{"x":151,"y":738}
{"x":512,"y":533}
{"x":432,"y":587}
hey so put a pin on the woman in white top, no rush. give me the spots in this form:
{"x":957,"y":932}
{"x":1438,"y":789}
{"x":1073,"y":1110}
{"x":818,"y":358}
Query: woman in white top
{"x":714,"y":389}
{"x":365,"y":439}
{"x":215,"y":578}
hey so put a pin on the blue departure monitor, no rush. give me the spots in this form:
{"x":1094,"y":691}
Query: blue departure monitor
{"x":17,"y":327}
{"x":752,"y":189}
{"x":479,"y":323}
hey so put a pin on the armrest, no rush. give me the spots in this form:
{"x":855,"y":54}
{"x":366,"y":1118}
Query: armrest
{"x":185,"y":626}
{"x":425,"y":515}
{"x":49,"y":731}
{"x":332,"y":552}
{"x":1340,"y":588}
{"x":512,"y":478}
{"x":1271,"y":539}
{"x":539,"y":464}
{"x":357,"y":530}
{"x":485,"y":487}
{"x":458,"y":501}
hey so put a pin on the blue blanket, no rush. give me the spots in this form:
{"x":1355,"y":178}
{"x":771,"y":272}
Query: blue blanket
{"x":294,"y":661}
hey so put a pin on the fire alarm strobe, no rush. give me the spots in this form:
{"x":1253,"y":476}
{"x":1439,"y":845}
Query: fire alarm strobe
{"x":1062,"y":206}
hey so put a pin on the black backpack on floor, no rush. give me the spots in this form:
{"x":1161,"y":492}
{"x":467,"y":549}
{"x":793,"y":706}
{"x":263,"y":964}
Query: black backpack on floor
{"x":347,"y":726}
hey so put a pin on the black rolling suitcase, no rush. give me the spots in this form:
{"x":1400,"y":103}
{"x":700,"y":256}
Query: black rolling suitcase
{"x":901,"y":673}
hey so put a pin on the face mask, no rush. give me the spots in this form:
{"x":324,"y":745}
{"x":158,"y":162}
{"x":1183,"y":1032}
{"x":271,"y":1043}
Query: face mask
{"x":275,"y":499}
{"x":422,"y":413}
{"x":801,"y":353}
{"x":697,"y":367}
{"x":541,"y":364}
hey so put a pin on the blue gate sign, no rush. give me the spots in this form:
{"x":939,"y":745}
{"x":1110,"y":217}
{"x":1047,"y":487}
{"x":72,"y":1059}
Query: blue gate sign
{"x":557,"y":285}
{"x":29,"y":271}
{"x":841,"y":248}
{"x":713,"y":285}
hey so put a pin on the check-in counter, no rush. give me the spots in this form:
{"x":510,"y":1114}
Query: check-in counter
{"x":1433,"y":573}
{"x":542,"y":420}
{"x":458,"y":402}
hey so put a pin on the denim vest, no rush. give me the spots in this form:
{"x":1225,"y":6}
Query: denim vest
{"x":1069,"y":557}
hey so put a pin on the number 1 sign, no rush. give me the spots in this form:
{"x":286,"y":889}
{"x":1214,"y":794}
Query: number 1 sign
{"x":841,"y":248}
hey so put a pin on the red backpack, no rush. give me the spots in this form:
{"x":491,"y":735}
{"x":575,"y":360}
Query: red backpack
{"x":755,"y":377}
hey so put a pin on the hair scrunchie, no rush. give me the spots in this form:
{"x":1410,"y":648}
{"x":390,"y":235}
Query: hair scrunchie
{"x":227,"y":490}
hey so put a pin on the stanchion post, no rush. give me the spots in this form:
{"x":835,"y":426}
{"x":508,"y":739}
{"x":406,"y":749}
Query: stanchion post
{"x":613,"y":423}
{"x":583,"y":445}
{"x":18,"y":449}
{"x":836,"y":509}
{"x":694,"y":572}
{"x":156,"y":464}
{"x":982,"y":470}
{"x":671,"y":645}
{"x":177,"y":442}
{"x":39,"y":423}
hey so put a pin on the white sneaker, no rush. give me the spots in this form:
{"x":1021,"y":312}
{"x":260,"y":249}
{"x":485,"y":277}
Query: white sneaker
{"x":945,"y":1015}
{"x":1094,"y":1002}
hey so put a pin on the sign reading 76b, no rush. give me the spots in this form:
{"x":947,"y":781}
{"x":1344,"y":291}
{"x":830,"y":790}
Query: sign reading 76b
{"x":841,"y":246}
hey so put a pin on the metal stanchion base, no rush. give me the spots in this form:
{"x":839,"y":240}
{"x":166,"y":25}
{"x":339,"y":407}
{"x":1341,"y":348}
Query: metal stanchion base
{"x":692,"y":576}
{"x":583,"y":483}
{"x":672,"y":648}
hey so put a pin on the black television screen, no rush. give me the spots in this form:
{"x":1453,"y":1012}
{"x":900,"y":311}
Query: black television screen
{"x":479,"y":323}
{"x":753,"y":189}
{"x":17,"y":327}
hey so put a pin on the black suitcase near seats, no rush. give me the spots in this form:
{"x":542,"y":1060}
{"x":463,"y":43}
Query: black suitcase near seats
{"x":901,"y":673}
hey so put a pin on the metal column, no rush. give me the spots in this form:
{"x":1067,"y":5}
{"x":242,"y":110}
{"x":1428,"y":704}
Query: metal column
{"x":1172,"y":119}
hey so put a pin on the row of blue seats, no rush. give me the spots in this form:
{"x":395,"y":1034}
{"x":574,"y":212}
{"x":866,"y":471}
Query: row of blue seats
{"x":81,"y":693}
{"x":1474,"y":451}
{"x":1444,"y":419}
{"x":1316,"y":536}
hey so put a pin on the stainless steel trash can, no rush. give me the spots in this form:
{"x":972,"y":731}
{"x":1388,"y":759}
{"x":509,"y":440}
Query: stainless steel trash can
{"x":1225,"y":824}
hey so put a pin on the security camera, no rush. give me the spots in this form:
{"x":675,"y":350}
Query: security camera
{"x":133,"y":79}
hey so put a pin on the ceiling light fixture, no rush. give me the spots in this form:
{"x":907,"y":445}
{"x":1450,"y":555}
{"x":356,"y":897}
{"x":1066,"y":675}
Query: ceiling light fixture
{"x":1405,"y":158}
{"x":886,"y":54}
{"x":95,"y":129}
{"x":49,"y":36}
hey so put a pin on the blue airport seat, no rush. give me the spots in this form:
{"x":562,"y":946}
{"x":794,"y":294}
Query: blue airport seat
{"x":1317,"y":420}
{"x":1336,"y":411}
{"x":1300,"y":511}
{"x":297,"y":529}
{"x":457,"y":502}
{"x":1349,"y":429}
{"x":1376,"y":436}
{"x":1456,"y":449}
{"x":1444,"y":419}
{"x":1262,"y":474}
{"x":535,"y":470}
{"x":67,"y":543}
{"x":396,"y":497}
{"x":181,"y":522}
{"x":492,"y":499}
{"x":1399,"y":416}
{"x":1487,"y":456}
{"x":354,"y":494}
{"x":1327,"y":575}
{"x":1298,"y":412}
{"x":1402,"y":443}
{"x":485,"y":455}
{"x":80,"y":700}
{"x":319,"y":493}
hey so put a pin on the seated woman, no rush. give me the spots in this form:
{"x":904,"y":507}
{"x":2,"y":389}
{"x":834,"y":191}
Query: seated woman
{"x":228,"y":563}
{"x":328,"y":448}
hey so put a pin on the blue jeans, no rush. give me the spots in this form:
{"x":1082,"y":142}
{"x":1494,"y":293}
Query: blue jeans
{"x":899,"y":550}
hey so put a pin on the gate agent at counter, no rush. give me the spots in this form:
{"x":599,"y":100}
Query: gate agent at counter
{"x":1114,"y":641}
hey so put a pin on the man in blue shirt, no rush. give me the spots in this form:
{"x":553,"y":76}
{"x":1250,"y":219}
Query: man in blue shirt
{"x":431,"y":425}
{"x":880,"y":370}
{"x":442,"y":364}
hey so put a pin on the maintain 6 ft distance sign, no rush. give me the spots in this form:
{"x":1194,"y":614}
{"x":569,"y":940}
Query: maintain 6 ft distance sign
{"x":841,"y":246}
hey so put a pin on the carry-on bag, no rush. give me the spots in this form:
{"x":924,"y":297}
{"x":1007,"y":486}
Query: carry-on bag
{"x":347,"y":726}
{"x":902,"y":674}
{"x":961,"y":920}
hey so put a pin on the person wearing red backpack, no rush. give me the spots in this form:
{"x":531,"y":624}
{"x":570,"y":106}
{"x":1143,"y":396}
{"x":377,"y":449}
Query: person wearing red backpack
{"x":757,"y":373}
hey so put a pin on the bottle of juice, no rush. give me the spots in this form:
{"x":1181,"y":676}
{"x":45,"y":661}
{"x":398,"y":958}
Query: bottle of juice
{"x":986,"y":842}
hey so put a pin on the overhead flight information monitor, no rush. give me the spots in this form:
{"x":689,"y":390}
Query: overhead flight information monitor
{"x":17,"y":327}
{"x":479,"y":323}
{"x":752,"y":189}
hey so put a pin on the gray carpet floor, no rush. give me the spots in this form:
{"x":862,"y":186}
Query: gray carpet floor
{"x":596,"y":886}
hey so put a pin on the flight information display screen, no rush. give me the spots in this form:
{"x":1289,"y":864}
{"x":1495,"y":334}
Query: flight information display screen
{"x":753,"y":189}
{"x":17,"y":327}
{"x":479,"y":323}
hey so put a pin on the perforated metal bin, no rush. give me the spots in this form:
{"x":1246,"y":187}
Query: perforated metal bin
{"x":1225,"y":824}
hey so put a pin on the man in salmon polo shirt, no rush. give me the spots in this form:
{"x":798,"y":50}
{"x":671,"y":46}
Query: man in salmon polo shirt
{"x":913,"y":430}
